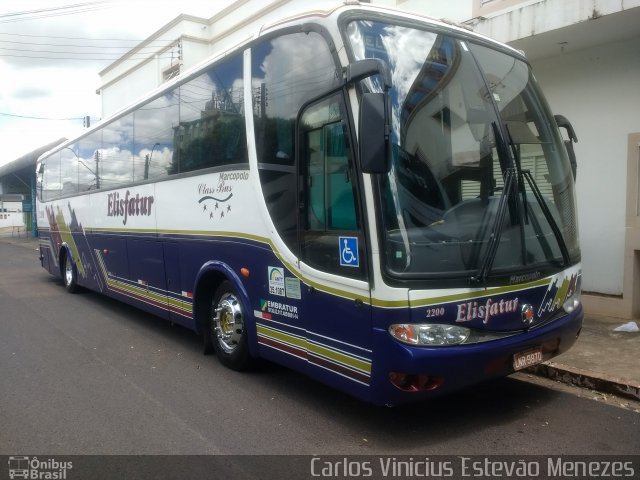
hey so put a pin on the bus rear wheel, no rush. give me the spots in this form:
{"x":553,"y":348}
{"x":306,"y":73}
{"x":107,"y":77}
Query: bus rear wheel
{"x":227,"y":328}
{"x":69,"y":274}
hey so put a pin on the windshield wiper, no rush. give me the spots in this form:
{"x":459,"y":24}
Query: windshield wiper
{"x":547,"y":214}
{"x":524,"y":213}
{"x":494,"y":239}
{"x":526,"y":174}
{"x":510,"y":175}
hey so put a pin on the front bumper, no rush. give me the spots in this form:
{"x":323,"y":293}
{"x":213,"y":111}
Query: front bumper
{"x":459,"y":366}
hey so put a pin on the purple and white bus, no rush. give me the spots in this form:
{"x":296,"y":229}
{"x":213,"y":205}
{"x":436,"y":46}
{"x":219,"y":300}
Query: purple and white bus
{"x":378,"y":200}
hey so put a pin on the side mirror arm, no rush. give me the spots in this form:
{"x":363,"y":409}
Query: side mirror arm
{"x":562,"y":122}
{"x":362,"y":69}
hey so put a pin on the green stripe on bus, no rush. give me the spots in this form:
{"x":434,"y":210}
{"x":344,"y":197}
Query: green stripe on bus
{"x":339,"y":357}
{"x":375,"y":302}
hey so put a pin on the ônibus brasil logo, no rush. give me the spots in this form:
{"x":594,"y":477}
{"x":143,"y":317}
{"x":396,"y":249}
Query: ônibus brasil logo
{"x":36,"y":469}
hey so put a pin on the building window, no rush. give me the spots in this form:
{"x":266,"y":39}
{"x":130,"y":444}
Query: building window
{"x":171,"y":72}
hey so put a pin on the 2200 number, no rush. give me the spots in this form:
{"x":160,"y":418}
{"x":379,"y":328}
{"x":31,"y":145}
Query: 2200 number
{"x":435,"y":312}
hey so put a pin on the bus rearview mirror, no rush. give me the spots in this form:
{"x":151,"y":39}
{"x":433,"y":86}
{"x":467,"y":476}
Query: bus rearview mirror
{"x":374,"y":157}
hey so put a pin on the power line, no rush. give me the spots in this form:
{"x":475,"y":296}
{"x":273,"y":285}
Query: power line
{"x":37,"y":57}
{"x":39,"y":118}
{"x":77,"y":45}
{"x":28,"y":50}
{"x":99,"y":52}
{"x":69,"y":52}
{"x":81,"y":38}
{"x":132,"y":49}
{"x":53,"y":11}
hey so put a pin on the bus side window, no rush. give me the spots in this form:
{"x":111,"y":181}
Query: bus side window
{"x":286,"y":72}
{"x":329,"y":211}
{"x":89,"y":161}
{"x":115,"y":158}
{"x":52,"y":181}
{"x":212,"y":131}
{"x":154,"y":154}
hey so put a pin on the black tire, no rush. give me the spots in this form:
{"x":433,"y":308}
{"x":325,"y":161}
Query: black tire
{"x":69,"y":274}
{"x":207,"y":337}
{"x":227,"y":328}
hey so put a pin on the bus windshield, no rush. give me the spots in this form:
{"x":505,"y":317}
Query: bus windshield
{"x":480,"y":182}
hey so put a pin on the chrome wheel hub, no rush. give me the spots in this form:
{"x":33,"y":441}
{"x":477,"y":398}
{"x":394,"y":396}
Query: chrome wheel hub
{"x":228,"y":322}
{"x":68,"y":271}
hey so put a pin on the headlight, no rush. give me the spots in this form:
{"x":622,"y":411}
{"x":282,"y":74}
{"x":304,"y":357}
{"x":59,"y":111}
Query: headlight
{"x":571,"y":303}
{"x":429,"y":335}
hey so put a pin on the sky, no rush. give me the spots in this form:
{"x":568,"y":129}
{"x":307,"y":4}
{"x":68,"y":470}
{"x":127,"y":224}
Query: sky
{"x":51,"y":52}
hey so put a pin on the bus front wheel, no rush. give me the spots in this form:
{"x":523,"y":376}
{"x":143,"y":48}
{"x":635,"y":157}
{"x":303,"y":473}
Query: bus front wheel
{"x":227,"y":328}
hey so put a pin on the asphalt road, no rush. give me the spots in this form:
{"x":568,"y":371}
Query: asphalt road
{"x":83,"y":374}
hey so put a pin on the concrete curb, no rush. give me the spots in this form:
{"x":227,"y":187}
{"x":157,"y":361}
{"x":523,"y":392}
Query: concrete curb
{"x":587,"y":379}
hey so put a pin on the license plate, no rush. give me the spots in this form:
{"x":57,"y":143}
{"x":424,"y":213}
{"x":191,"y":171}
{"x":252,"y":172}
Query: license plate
{"x":527,"y":358}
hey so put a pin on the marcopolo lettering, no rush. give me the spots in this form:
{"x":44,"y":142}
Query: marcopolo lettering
{"x":224,"y":176}
{"x":128,"y":205}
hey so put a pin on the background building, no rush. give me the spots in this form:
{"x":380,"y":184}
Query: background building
{"x":188,"y":40}
{"x":17,"y":192}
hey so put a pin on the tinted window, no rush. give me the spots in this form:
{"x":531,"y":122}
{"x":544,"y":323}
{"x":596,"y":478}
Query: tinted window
{"x":329,"y":213}
{"x":154,"y":129}
{"x":69,"y":170}
{"x":212,"y":128}
{"x":115,"y":162}
{"x":286,"y":72}
{"x":51,"y":180}
{"x":88,"y":154}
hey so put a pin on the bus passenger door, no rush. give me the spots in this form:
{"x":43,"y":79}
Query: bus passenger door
{"x":147,"y":275}
{"x":332,"y":245}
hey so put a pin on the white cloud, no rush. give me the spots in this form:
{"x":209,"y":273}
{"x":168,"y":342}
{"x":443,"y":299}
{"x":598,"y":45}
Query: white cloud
{"x":36,"y":82}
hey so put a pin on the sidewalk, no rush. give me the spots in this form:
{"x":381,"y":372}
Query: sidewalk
{"x":22,"y":238}
{"x":14,"y":231}
{"x":601,"y":359}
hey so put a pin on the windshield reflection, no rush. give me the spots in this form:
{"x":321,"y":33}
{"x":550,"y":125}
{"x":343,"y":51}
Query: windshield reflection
{"x":440,"y":200}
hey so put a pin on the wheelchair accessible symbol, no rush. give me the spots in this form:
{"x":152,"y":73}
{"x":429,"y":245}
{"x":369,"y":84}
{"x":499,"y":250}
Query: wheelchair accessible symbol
{"x":349,"y":252}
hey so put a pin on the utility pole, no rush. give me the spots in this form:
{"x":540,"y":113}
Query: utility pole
{"x":146,"y":166}
{"x":263,"y":100}
{"x":147,"y":160}
{"x":97,"y":155}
